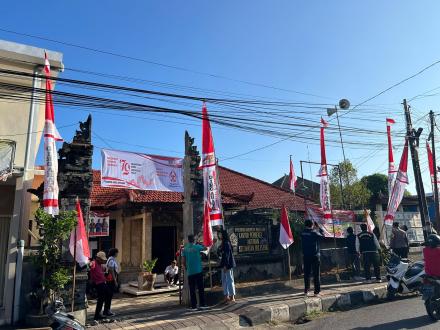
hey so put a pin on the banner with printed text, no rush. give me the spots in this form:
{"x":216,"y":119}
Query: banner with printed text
{"x":121,"y":169}
{"x":340,"y":221}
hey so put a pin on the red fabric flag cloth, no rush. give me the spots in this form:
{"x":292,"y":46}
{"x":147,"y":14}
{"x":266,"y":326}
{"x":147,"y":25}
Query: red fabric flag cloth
{"x":211,"y":181}
{"x":324,"y":194}
{"x":391,"y":168}
{"x":399,"y":186}
{"x":207,"y":229}
{"x":431,"y":169}
{"x":292,"y":177}
{"x":286,"y":237}
{"x":51,"y":191}
{"x":82,"y":244}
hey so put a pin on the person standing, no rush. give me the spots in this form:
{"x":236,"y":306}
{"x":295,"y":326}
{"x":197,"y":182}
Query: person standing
{"x":227,"y":265}
{"x":353,"y":254}
{"x":172,"y":273}
{"x":113,"y":270}
{"x":103,"y":290}
{"x":192,"y":262}
{"x":368,"y":245}
{"x":399,"y":241}
{"x":310,"y":238}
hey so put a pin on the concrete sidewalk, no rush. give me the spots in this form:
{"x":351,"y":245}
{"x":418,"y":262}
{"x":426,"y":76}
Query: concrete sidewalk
{"x":288,"y":305}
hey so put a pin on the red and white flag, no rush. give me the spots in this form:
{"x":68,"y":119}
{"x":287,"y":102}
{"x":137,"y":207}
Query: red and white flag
{"x":210,"y":173}
{"x":286,"y":237}
{"x":399,"y":186}
{"x":207,"y":229}
{"x":431,"y":168}
{"x":51,"y":135}
{"x":391,"y":168}
{"x":292,"y":177}
{"x":324,"y":195}
{"x":81,"y":244}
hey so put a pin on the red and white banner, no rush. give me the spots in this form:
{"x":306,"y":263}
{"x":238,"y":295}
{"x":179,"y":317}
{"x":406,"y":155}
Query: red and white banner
{"x":130,"y":170}
{"x":286,"y":236}
{"x":391,"y":168}
{"x":82,"y":253}
{"x":399,"y":186}
{"x":99,"y":224}
{"x":431,"y":169}
{"x":292,"y":177}
{"x":337,"y":227}
{"x":210,"y":173}
{"x":51,"y":135}
{"x":207,"y":229}
{"x":325,"y":184}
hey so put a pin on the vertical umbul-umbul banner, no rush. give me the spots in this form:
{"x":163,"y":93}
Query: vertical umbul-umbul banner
{"x":51,"y":135}
{"x":324,"y":195}
{"x":210,"y":174}
{"x":399,"y":186}
{"x":391,"y":168}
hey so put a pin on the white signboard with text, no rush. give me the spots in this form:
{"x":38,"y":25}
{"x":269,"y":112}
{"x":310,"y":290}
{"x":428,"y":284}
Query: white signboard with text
{"x":121,"y":169}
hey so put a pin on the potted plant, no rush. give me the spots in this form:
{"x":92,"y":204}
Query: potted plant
{"x":53,"y":276}
{"x":146,"y":278}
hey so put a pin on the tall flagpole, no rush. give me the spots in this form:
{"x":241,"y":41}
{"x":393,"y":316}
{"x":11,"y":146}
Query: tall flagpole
{"x":74,"y":266}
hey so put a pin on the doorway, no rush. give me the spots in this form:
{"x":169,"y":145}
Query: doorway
{"x":163,"y":247}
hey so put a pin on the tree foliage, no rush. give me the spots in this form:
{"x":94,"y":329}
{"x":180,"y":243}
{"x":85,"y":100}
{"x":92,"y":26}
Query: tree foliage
{"x":376,"y":183}
{"x":355,"y":193}
{"x":53,"y":231}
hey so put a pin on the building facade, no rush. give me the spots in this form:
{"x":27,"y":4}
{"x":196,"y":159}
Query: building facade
{"x":22,"y":122}
{"x":148,"y":224}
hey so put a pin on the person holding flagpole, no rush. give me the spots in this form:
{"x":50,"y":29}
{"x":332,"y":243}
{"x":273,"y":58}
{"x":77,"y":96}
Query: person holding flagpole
{"x":227,"y":265}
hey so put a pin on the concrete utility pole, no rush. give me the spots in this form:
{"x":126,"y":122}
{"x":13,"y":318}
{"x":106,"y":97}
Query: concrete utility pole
{"x":434,"y":161}
{"x":413,"y":139}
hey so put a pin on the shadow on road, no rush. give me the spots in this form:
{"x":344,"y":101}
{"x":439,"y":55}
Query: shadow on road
{"x":412,"y":323}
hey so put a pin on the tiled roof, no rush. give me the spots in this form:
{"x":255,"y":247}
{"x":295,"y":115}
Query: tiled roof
{"x":237,"y":189}
{"x":265,"y":195}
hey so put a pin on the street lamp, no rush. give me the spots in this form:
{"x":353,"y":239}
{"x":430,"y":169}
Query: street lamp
{"x":344,"y":104}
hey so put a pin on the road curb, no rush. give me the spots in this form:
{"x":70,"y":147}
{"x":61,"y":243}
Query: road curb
{"x":295,"y":309}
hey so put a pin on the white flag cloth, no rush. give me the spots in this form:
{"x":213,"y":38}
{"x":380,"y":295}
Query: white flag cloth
{"x":286,"y":237}
{"x":324,"y":195}
{"x":391,"y":168}
{"x":50,"y":194}
{"x":82,"y":244}
{"x":399,"y":186}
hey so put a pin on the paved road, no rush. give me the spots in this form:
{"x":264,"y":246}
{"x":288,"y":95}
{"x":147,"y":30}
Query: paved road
{"x":401,"y":314}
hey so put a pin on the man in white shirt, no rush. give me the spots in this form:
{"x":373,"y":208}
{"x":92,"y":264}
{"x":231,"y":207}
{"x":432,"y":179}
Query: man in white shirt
{"x":172,"y":273}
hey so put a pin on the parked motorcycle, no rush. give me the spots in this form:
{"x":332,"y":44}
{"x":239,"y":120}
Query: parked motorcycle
{"x":403,"y":276}
{"x":431,"y":296}
{"x":60,"y":319}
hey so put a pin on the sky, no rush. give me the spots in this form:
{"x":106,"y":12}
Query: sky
{"x":331,"y":49}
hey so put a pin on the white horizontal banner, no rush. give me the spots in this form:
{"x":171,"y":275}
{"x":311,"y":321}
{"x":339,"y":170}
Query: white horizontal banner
{"x":121,"y":169}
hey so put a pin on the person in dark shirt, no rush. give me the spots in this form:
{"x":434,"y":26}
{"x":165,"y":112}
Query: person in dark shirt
{"x":227,"y":265}
{"x":310,"y":238}
{"x":368,"y":245}
{"x":353,"y":255}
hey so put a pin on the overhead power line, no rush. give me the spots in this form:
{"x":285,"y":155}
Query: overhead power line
{"x":168,"y":66}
